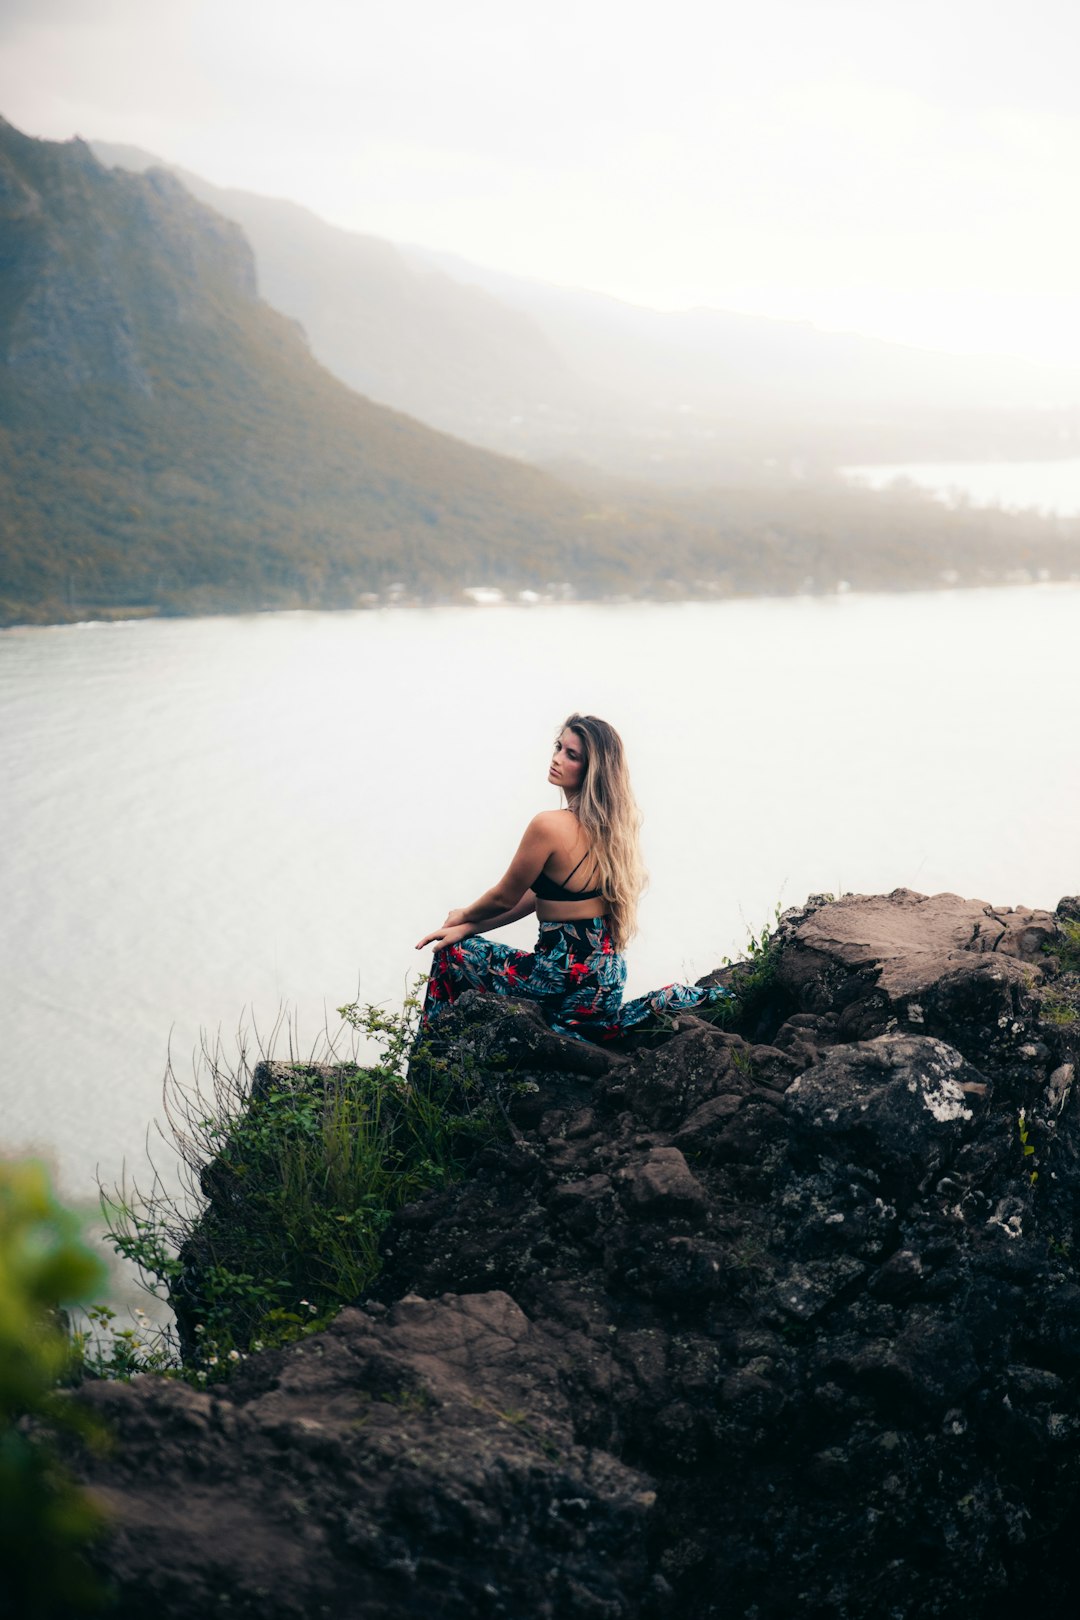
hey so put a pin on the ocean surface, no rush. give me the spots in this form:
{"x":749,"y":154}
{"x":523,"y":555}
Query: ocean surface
{"x":1045,"y":486}
{"x":208,"y":823}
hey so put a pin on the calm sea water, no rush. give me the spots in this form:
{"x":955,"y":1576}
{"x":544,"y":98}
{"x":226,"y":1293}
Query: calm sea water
{"x":1048,"y":486}
{"x":208,"y":820}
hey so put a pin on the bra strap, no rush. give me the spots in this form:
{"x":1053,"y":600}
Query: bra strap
{"x":569,"y":875}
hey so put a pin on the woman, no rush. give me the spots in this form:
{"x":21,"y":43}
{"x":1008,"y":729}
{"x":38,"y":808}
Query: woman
{"x":579,"y":869}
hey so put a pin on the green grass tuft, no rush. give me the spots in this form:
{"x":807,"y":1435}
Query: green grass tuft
{"x":298,"y":1169}
{"x":1067,"y":951}
{"x":1059,"y":1011}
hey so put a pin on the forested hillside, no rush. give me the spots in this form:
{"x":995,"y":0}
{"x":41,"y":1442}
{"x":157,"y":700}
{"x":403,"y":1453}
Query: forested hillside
{"x":166,"y":438}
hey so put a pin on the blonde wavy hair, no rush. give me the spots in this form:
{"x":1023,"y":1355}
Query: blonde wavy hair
{"x":607,"y":810}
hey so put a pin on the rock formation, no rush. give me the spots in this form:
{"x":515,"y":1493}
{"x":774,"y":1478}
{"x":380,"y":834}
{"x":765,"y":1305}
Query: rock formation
{"x":776,"y":1319}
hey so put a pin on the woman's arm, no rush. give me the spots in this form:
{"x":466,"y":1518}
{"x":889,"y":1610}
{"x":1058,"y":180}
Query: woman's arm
{"x":529,"y":859}
{"x":511,"y":897}
{"x":451,"y":930}
{"x":524,"y":908}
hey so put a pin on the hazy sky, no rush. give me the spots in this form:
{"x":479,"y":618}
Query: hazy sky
{"x":904,"y":167}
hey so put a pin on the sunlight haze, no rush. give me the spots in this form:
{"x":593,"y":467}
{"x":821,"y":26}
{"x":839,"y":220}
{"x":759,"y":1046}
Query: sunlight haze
{"x":904,"y":171}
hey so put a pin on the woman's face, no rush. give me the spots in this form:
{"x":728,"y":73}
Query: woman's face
{"x":568,"y":762}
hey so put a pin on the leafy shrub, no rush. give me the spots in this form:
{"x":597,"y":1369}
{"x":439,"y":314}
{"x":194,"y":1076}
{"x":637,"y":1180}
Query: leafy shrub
{"x":292,"y":1172}
{"x":45,"y":1519}
{"x":750,"y":978}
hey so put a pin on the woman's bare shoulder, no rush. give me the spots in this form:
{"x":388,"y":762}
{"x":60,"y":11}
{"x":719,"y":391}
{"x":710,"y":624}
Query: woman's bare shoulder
{"x":549,"y":818}
{"x":548,"y":826}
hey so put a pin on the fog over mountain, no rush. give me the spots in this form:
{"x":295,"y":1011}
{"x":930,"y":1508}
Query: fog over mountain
{"x":401,"y":331}
{"x":168,"y":443}
{"x":559,"y":374}
{"x":712,"y":358}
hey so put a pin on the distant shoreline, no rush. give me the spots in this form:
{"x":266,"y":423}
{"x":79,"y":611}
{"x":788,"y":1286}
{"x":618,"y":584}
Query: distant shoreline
{"x":103,"y":620}
{"x":1041,"y":485}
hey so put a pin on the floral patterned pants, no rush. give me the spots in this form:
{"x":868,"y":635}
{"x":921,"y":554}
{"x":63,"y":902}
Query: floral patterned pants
{"x":575,"y":975}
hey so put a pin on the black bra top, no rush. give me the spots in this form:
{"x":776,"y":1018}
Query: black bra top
{"x":546,"y":888}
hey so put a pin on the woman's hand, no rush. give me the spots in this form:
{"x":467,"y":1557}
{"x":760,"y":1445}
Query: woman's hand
{"x":454,"y":917}
{"x":445,"y":936}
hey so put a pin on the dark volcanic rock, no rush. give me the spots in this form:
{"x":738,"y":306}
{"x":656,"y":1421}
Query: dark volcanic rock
{"x":749,"y":1324}
{"x":413,"y":1461}
{"x":932,"y":964}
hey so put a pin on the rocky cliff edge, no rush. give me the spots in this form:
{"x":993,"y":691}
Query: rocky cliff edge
{"x":777,"y":1319}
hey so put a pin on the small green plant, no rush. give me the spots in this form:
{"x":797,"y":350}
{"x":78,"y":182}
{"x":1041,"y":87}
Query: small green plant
{"x":751,"y":978}
{"x":1027,"y":1148}
{"x":103,"y":1349}
{"x":46,"y":1521}
{"x":1059,"y":1011}
{"x":760,"y":945}
{"x":750,"y":1255}
{"x":1067,"y":947}
{"x":293,"y":1171}
{"x":742,"y":1063}
{"x":409,"y":1398}
{"x":516,"y":1418}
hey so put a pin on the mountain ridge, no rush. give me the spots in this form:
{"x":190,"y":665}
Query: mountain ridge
{"x":149,"y":398}
{"x":699,"y":395}
{"x":405,"y":334}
